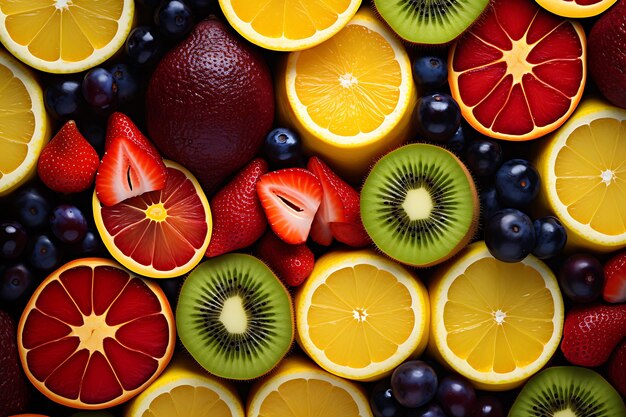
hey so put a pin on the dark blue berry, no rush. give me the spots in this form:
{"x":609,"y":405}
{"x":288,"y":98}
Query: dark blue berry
{"x":550,"y":237}
{"x":489,"y":406}
{"x":32,"y":207}
{"x":430,"y":73}
{"x":68,"y":223}
{"x":126,"y":82}
{"x":13,"y":239}
{"x":414,"y":383}
{"x":430,"y":410}
{"x":456,"y":143}
{"x":45,"y":254}
{"x":94,"y":130}
{"x":456,"y":396}
{"x":174,"y":18}
{"x":581,"y":277}
{"x":509,"y":235}
{"x":63,"y":99}
{"x":16,"y":283}
{"x":489,"y":203}
{"x":99,"y":88}
{"x":437,"y":117}
{"x":90,"y":245}
{"x":382,"y":401}
{"x":517,"y":183}
{"x":144,"y":46}
{"x":282,"y":147}
{"x":483,"y":156}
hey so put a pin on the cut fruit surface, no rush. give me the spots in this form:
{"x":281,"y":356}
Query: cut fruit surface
{"x":288,"y":25}
{"x":576,"y":8}
{"x":360,"y":314}
{"x":159,"y":234}
{"x":351,"y":97}
{"x":494,"y":322}
{"x":24,"y":125}
{"x":519,"y":72}
{"x":65,"y":36}
{"x":184,"y":389}
{"x":299,"y":388}
{"x":583,"y":171}
{"x":93,"y":335}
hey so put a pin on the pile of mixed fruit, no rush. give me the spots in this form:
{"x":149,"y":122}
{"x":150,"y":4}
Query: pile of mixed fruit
{"x":395,"y":208}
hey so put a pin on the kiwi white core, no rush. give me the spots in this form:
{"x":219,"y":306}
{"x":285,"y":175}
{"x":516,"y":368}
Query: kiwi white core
{"x":418,"y":204}
{"x":565,"y":413}
{"x":233,"y":316}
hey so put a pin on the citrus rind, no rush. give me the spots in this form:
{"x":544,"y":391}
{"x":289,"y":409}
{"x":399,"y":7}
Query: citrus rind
{"x":573,"y":9}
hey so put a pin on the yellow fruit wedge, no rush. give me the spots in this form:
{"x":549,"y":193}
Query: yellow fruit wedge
{"x":360,"y":314}
{"x":288,"y":25}
{"x":576,"y":8}
{"x":65,"y":36}
{"x":299,"y":388}
{"x":351,"y":97}
{"x":494,"y":322}
{"x":24,"y":125}
{"x":184,"y":389}
{"x":583,"y":176}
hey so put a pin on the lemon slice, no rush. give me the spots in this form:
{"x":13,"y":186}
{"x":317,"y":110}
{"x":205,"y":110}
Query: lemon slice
{"x":24,"y":125}
{"x":583,"y":176}
{"x":184,"y":389}
{"x":65,"y":36}
{"x":299,"y":388}
{"x":288,"y":25}
{"x":351,"y":97}
{"x":360,"y":314}
{"x":494,"y":322}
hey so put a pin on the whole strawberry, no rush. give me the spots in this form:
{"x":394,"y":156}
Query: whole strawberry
{"x":614,"y":290}
{"x":617,"y":368}
{"x":590,"y":333}
{"x":238,"y":218}
{"x":68,"y":163}
{"x":292,"y":263}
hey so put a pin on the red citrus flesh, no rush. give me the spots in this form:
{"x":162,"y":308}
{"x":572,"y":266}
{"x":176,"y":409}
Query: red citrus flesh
{"x":93,"y":334}
{"x":520,"y":71}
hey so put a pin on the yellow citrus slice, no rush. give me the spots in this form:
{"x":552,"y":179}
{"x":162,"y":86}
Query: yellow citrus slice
{"x":65,"y":36}
{"x":494,"y":322}
{"x":158,"y":234}
{"x":24,"y":125}
{"x":184,"y":389}
{"x":360,"y":314}
{"x":351,"y":97}
{"x":299,"y":388}
{"x":576,"y":8}
{"x":288,"y":25}
{"x":583,"y":175}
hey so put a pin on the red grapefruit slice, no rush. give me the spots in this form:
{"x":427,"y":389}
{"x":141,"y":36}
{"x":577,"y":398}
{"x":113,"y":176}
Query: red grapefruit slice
{"x":93,"y":334}
{"x":576,"y":8}
{"x":520,"y":72}
{"x":158,"y":234}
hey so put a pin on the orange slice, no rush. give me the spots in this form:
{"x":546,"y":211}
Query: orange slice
{"x":519,"y":72}
{"x":576,"y":8}
{"x":94,"y":335}
{"x":159,"y":234}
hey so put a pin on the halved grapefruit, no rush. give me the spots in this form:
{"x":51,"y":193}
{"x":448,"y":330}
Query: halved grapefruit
{"x":93,"y":334}
{"x":520,"y":72}
{"x":158,"y":234}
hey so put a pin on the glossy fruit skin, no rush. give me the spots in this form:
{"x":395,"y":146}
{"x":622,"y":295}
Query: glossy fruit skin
{"x":517,"y":183}
{"x":489,"y":406}
{"x":90,"y":245}
{"x":509,"y":235}
{"x":617,"y":368}
{"x":13,"y":238}
{"x":483,"y":156}
{"x":143,"y":46}
{"x":489,"y":203}
{"x":173,"y":18}
{"x":45,"y":254}
{"x":32,"y":207}
{"x":437,"y":117}
{"x":219,"y":122}
{"x":550,"y":237}
{"x":456,"y":144}
{"x":430,"y":72}
{"x":429,"y":410}
{"x":63,"y":99}
{"x":292,"y":264}
{"x":99,"y":88}
{"x":16,"y":283}
{"x":456,"y":396}
{"x":126,"y":82}
{"x":68,"y":223}
{"x":283,"y":147}
{"x":414,"y":383}
{"x":581,"y":278}
{"x":614,"y":290}
{"x":382,"y":401}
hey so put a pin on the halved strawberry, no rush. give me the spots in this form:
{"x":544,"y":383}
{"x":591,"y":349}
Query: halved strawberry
{"x":121,"y":125}
{"x":614,"y":290}
{"x":127,"y":170}
{"x":290,"y":198}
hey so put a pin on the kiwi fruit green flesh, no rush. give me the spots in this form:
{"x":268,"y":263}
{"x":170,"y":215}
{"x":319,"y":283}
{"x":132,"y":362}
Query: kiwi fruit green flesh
{"x":568,"y":391}
{"x":419,"y":204}
{"x":235,"y":317}
{"x":432,"y":22}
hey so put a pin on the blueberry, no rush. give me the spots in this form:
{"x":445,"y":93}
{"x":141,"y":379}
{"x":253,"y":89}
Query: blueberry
{"x":16,"y":283}
{"x":489,"y":203}
{"x":90,"y":245}
{"x":483,"y":156}
{"x":414,"y":383}
{"x":143,"y":46}
{"x":94,"y":130}
{"x":550,"y":236}
{"x":68,"y":223}
{"x":99,"y":88}
{"x":283,"y":147}
{"x":437,"y":117}
{"x":457,"y":396}
{"x":430,"y":410}
{"x":63,"y":99}
{"x":517,"y":183}
{"x":430,"y":72}
{"x":32,"y":207}
{"x":13,"y":239}
{"x":581,"y":278}
{"x":456,"y":143}
{"x":509,"y":235}
{"x":174,"y":19}
{"x":382,"y":401}
{"x":45,"y":254}
{"x":126,"y":82}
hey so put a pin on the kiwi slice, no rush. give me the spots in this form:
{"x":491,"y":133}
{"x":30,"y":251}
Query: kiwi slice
{"x":419,"y":204}
{"x":235,"y":317}
{"x":431,"y":22}
{"x":568,"y":391}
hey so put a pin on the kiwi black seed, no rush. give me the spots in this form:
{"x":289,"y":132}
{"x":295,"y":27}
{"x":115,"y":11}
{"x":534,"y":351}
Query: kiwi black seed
{"x":431,"y":22}
{"x":419,"y":204}
{"x":235,"y":317}
{"x":568,"y":391}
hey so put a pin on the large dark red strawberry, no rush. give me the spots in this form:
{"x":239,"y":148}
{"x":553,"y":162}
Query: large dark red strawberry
{"x":614,"y":290}
{"x":617,"y":368}
{"x":292,"y":263}
{"x":591,"y":332}
{"x":238,"y":218}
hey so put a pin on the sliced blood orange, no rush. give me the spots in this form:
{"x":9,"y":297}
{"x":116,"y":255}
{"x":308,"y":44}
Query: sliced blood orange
{"x":520,"y":72}
{"x":576,"y":8}
{"x":93,"y":334}
{"x":159,"y":234}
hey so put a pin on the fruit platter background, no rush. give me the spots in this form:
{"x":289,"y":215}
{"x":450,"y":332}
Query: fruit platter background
{"x":313,"y":208}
